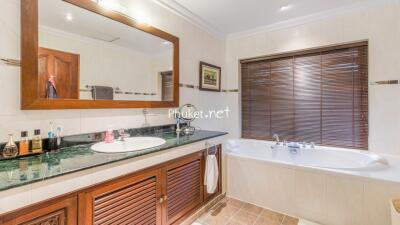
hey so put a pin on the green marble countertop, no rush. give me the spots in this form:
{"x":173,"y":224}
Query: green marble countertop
{"x":22,"y":171}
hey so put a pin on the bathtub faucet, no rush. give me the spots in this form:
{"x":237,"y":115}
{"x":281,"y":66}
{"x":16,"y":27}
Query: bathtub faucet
{"x":276,"y":137}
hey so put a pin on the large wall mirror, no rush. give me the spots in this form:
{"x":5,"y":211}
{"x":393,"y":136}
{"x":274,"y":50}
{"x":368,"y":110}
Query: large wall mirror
{"x":82,"y":54}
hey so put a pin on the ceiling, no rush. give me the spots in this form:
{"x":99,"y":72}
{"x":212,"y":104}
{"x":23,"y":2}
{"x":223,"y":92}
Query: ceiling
{"x":233,"y":16}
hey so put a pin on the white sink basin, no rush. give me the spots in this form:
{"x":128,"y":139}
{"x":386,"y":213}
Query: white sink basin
{"x":129,"y":145}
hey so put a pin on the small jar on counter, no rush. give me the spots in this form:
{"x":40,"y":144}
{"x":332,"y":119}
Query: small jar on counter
{"x":24,"y":144}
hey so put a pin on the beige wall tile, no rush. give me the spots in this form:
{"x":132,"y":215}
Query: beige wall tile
{"x":311,"y":196}
{"x":345,"y":198}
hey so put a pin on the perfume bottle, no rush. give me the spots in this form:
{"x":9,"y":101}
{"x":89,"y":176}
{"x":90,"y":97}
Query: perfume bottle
{"x":11,"y":149}
{"x":37,"y":142}
{"x":24,"y":144}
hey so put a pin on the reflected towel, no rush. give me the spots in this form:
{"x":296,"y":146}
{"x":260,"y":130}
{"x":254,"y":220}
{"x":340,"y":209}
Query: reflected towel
{"x":211,"y":174}
{"x":103,"y":93}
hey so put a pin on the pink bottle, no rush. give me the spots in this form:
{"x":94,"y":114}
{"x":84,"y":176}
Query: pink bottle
{"x":109,"y":136}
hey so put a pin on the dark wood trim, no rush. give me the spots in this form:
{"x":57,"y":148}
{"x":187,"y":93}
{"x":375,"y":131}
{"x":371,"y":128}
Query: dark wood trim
{"x":307,"y":51}
{"x":29,"y":53}
{"x":30,"y":99}
{"x":200,"y":76}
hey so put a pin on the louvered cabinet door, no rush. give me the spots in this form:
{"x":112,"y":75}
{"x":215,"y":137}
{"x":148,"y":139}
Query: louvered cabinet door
{"x":126,"y":201}
{"x":183,"y":188}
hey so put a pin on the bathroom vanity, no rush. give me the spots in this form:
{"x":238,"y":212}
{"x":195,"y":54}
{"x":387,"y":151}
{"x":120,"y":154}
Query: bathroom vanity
{"x":76,"y":185}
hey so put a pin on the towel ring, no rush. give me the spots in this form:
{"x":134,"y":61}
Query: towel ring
{"x":208,"y":146}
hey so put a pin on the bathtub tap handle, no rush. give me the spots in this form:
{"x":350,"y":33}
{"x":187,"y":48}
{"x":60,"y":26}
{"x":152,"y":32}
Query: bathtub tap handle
{"x":284,"y":143}
{"x":276,"y":137}
{"x":304,"y":144}
{"x":312,"y":145}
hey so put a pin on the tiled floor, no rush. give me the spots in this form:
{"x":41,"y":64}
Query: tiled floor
{"x":234,"y":212}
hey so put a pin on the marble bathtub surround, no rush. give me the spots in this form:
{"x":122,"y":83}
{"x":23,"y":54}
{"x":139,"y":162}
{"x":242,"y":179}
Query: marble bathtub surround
{"x":76,"y":155}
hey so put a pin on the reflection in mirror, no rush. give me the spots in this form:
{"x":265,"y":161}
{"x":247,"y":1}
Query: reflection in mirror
{"x":83,"y":55}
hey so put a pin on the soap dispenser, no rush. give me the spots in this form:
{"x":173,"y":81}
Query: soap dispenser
{"x":11,"y":149}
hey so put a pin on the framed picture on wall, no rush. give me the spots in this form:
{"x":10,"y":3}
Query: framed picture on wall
{"x":210,"y":77}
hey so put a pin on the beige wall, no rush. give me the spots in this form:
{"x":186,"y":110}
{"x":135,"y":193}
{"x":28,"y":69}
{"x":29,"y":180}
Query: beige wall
{"x":379,"y":23}
{"x":195,"y":44}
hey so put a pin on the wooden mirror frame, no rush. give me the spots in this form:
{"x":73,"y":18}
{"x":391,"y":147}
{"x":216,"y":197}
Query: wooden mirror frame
{"x":30,"y":99}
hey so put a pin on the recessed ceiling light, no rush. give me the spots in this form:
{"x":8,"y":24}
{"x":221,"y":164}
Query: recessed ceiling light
{"x":285,"y":8}
{"x":166,"y":43}
{"x":142,"y":18}
{"x":111,"y":5}
{"x":68,"y":17}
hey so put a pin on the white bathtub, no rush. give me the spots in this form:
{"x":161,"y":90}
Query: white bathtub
{"x":318,"y":157}
{"x":330,"y":186}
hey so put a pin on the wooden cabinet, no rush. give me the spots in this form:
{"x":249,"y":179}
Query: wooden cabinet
{"x":164,"y":194}
{"x":183,"y":187}
{"x":130,"y":200}
{"x":60,"y":211}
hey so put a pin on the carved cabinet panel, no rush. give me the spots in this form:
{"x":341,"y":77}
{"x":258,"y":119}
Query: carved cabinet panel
{"x":60,"y":211}
{"x":56,"y":218}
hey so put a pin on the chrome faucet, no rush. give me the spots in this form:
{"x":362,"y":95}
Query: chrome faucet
{"x":178,"y":123}
{"x":276,"y":137}
{"x":122,"y":135}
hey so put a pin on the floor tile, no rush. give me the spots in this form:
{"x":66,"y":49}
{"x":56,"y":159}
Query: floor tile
{"x":216,"y":220}
{"x":234,"y":222}
{"x":234,"y":202}
{"x":251,"y":208}
{"x":290,"y":221}
{"x":227,"y":211}
{"x":234,"y":212}
{"x":271,"y":215}
{"x":244,"y":217}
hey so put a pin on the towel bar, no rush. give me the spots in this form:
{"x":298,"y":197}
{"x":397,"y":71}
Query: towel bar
{"x":11,"y":62}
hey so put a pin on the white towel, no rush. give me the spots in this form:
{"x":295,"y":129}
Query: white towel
{"x":211,"y":174}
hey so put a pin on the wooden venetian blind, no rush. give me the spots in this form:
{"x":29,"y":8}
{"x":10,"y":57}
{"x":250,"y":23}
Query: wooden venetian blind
{"x":316,"y":96}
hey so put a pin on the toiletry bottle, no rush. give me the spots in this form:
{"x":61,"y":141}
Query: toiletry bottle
{"x":52,"y":141}
{"x":58,"y":136}
{"x":37,"y":142}
{"x":11,"y":149}
{"x":109,"y":135}
{"x":24,"y":144}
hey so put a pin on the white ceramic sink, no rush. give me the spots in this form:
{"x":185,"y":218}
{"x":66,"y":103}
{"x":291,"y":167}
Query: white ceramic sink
{"x":129,"y":145}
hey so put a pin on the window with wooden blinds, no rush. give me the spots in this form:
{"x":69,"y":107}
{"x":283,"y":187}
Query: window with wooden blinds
{"x":318,"y":95}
